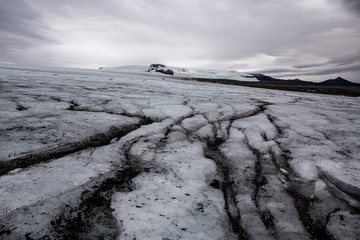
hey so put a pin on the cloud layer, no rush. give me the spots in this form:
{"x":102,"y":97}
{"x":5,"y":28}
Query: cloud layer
{"x":310,"y":39}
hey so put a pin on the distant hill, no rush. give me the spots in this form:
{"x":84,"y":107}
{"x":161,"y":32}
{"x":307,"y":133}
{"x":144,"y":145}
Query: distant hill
{"x":338,"y":82}
{"x":338,"y":86}
{"x":331,"y":82}
{"x":176,"y":72}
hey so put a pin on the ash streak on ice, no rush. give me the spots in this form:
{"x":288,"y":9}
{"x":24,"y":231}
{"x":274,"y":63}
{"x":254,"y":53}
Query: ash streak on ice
{"x":127,"y":154}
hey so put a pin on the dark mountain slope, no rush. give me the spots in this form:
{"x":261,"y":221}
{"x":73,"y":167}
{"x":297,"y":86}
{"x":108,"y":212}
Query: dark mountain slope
{"x":338,"y":82}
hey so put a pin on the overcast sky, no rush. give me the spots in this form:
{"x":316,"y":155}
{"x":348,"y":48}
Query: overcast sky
{"x":309,"y":39}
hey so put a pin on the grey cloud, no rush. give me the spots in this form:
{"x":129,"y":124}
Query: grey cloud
{"x":322,"y":70}
{"x":279,"y":70}
{"x":346,"y":60}
{"x":21,"y":28}
{"x":240,"y":29}
{"x":352,"y":5}
{"x":313,"y":65}
{"x":337,"y":66}
{"x":328,"y":64}
{"x":336,"y":70}
{"x":184,"y":31}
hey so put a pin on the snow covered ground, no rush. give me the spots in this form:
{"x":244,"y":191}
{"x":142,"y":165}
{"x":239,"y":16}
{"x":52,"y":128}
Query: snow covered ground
{"x":184,"y":73}
{"x":88,"y":154}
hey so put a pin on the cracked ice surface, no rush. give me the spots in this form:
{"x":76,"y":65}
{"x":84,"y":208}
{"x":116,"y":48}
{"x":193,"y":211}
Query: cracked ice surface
{"x":112,"y":155}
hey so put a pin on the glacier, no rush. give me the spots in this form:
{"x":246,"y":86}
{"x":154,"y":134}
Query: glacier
{"x":125,"y":154}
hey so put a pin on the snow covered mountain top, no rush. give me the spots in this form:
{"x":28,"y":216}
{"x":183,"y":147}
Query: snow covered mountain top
{"x":184,"y":72}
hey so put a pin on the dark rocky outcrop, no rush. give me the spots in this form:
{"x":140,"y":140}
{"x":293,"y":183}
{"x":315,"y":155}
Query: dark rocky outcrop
{"x":339,"y":81}
{"x":261,"y":77}
{"x":161,"y":68}
{"x":166,"y":71}
{"x":157,"y":65}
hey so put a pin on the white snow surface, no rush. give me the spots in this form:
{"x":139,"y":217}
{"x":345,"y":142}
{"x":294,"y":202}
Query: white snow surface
{"x":184,"y":73}
{"x":195,"y":160}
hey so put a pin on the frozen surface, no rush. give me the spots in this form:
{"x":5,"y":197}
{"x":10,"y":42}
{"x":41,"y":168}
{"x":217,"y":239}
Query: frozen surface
{"x":184,"y":73}
{"x":119,"y":154}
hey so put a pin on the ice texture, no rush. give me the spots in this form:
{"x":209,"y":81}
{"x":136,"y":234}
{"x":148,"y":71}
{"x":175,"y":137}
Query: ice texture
{"x":124,"y":154}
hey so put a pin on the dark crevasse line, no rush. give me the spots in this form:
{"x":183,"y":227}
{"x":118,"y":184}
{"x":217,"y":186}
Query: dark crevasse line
{"x":281,"y":162}
{"x":304,"y":204}
{"x":80,"y":213}
{"x":346,"y":194}
{"x":146,"y":166}
{"x":315,"y":227}
{"x":87,"y":217}
{"x":77,"y":108}
{"x":90,"y":216}
{"x":260,"y":180}
{"x":95,"y":209}
{"x":93,"y":218}
{"x":212,"y":152}
{"x":329,"y":214}
{"x":96,"y":140}
{"x":350,"y":190}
